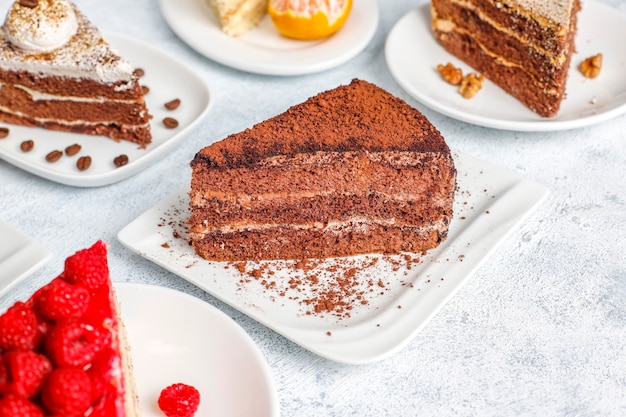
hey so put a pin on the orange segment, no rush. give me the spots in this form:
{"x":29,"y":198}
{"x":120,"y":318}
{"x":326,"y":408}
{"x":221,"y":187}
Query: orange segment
{"x":309,"y":19}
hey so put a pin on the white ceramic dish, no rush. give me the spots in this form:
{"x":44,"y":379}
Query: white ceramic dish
{"x":167,"y":79}
{"x":490,"y":203}
{"x":20,"y":256}
{"x":175,"y":337}
{"x":413,"y":54}
{"x":263,"y":50}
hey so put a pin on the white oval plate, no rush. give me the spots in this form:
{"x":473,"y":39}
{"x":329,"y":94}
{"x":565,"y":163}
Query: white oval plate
{"x":263,"y":50}
{"x":167,"y":79}
{"x":412,"y":55}
{"x":176,"y":337}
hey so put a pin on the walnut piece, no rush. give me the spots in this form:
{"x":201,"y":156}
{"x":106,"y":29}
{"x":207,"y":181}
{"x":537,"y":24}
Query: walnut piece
{"x":591,"y":66}
{"x":471,"y":84}
{"x":450,"y":73}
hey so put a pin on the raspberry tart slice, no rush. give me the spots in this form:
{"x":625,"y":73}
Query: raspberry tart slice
{"x":63,"y":352}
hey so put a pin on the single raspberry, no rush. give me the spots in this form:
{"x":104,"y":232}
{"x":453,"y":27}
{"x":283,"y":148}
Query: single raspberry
{"x":67,"y":392}
{"x":179,"y":400}
{"x":99,"y":372}
{"x":19,"y":329}
{"x":61,"y":300}
{"x":25,"y":373}
{"x":12,"y":406}
{"x":88,"y":267}
{"x":74,"y":343}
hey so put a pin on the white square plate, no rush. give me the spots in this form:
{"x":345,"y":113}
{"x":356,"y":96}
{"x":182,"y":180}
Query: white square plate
{"x":20,"y":256}
{"x":396,"y":298}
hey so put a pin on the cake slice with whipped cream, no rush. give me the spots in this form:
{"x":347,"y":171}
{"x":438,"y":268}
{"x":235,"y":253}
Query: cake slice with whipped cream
{"x":58,"y":72}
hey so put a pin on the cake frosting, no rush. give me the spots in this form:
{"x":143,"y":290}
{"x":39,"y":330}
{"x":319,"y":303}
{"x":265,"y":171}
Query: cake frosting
{"x":351,"y":170}
{"x":58,"y":72}
{"x":56,"y":24}
{"x":84,"y":54}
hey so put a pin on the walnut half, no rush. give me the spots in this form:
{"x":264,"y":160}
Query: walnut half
{"x":591,"y":66}
{"x":471,"y":84}
{"x":450,"y":73}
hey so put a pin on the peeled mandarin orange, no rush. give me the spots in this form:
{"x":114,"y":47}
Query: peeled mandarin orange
{"x":309,"y":19}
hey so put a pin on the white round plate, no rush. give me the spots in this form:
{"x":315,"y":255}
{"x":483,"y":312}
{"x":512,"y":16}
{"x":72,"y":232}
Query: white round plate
{"x":263,"y":50}
{"x":412,"y":55}
{"x":167,"y":79}
{"x":176,"y":337}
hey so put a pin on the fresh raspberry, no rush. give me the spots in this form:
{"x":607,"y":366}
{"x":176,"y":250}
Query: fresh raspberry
{"x":61,"y":300}
{"x":179,"y":400}
{"x":25,"y":372}
{"x":99,"y":372}
{"x":67,"y":392}
{"x":88,"y":267}
{"x":19,"y":329}
{"x":12,"y":406}
{"x":74,"y":343}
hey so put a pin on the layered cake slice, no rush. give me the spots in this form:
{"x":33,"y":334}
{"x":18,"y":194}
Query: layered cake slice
{"x":63,"y":352}
{"x":523,"y":46}
{"x":352,"y":170}
{"x":236,"y":17}
{"x":58,"y":72}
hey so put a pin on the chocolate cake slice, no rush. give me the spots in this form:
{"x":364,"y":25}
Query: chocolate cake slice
{"x":58,"y":72}
{"x":523,"y":46}
{"x":352,"y":170}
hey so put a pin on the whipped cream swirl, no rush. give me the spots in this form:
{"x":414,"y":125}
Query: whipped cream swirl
{"x":43,"y":28}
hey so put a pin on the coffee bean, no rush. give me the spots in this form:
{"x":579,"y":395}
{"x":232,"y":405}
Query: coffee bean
{"x":83,"y":163}
{"x":120,"y":160}
{"x":29,"y":3}
{"x":4,"y":132}
{"x":27,"y":145}
{"x":170,"y":122}
{"x":139,"y":72}
{"x":173,"y":104}
{"x":54,"y":156}
{"x":72,"y":149}
{"x":145,"y":89}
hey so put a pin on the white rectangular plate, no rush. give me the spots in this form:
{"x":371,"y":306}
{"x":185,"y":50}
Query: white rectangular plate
{"x":20,"y":256}
{"x":390,"y":298}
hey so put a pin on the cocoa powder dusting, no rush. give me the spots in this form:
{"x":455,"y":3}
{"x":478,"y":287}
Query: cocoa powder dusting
{"x":335,"y":287}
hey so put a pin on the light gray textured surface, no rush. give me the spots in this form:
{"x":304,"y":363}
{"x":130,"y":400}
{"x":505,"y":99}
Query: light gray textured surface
{"x":540,"y":329}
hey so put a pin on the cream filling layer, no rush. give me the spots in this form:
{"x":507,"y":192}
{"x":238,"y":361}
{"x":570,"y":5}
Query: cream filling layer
{"x":246,"y":200}
{"x":356,"y":224}
{"x":74,"y":122}
{"x":39,"y":96}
